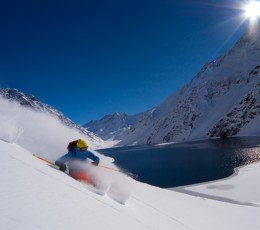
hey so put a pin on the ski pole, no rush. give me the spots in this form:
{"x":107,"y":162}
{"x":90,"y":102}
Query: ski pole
{"x":117,"y":170}
{"x":103,"y":166}
{"x":135,"y":176}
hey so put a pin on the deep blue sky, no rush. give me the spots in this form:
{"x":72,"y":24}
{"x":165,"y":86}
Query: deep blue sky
{"x":90,"y":58}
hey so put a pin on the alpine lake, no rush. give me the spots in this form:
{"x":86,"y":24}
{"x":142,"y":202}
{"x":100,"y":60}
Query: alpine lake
{"x":173,"y":165}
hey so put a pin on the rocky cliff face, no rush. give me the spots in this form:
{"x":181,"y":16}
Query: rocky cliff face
{"x":241,"y":114}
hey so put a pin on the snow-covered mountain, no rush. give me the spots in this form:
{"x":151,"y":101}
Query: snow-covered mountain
{"x":40,"y":128}
{"x":113,"y":126}
{"x":31,"y":102}
{"x":222,"y":100}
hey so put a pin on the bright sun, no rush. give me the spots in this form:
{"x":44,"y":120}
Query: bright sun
{"x":252,"y":10}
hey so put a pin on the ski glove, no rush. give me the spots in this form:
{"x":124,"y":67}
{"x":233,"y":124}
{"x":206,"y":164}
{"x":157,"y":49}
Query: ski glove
{"x":95,"y":162}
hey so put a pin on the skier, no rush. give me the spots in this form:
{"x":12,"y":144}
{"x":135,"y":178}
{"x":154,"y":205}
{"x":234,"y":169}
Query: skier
{"x":78,"y":152}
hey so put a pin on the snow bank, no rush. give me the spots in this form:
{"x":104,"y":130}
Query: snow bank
{"x":241,"y":188}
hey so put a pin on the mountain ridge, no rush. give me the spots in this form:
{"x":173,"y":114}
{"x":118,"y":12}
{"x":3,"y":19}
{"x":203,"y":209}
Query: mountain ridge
{"x":197,"y":109}
{"x":31,"y":102}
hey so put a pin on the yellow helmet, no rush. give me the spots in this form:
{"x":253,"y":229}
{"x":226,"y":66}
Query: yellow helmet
{"x":81,"y":144}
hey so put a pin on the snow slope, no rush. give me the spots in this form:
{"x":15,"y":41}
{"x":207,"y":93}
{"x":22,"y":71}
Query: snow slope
{"x":35,"y":196}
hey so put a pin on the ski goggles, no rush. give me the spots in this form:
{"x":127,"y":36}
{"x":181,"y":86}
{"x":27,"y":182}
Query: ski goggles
{"x":83,"y":149}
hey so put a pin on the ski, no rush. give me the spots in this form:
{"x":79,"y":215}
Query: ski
{"x":48,"y":162}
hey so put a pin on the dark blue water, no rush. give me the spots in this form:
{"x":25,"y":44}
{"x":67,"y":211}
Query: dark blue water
{"x":186,"y":163}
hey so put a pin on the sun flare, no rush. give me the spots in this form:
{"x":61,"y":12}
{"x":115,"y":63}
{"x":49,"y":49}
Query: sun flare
{"x":252,"y":9}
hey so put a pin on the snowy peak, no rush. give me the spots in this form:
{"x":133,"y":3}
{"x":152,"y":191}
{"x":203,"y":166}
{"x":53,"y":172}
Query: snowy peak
{"x":26,"y":100}
{"x":113,"y":126}
{"x":31,"y":102}
{"x":251,"y":36}
{"x":206,"y":107}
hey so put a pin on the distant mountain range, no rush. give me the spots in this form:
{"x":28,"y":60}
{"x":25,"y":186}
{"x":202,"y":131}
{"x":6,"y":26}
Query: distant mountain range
{"x":222,"y":100}
{"x":31,"y":102}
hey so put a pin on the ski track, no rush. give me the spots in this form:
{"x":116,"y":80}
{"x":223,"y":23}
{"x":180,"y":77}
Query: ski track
{"x":163,"y":214}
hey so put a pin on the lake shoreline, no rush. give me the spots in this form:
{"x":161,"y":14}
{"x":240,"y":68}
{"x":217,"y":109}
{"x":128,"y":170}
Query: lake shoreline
{"x":184,"y":164}
{"x":238,"y":172}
